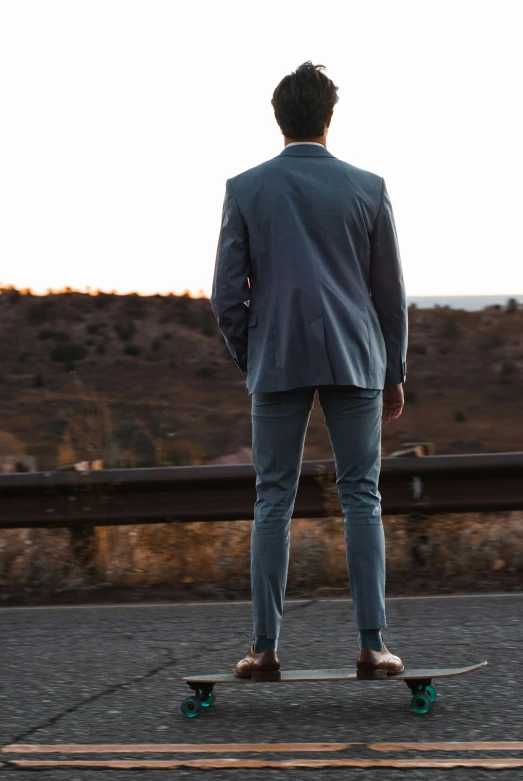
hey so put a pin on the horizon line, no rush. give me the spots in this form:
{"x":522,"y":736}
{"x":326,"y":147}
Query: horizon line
{"x":88,"y":290}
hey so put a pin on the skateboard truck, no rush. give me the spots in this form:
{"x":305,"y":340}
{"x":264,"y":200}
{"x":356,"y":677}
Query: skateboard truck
{"x":423,"y":694}
{"x":203,"y":698}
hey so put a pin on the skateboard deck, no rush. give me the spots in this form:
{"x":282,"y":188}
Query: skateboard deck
{"x":419,"y":680}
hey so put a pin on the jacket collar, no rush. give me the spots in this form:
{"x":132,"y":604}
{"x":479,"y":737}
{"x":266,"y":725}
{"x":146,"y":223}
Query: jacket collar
{"x":305,"y":150}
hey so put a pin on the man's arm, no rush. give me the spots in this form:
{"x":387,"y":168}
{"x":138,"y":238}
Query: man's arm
{"x":388,"y":290}
{"x":230,"y":289}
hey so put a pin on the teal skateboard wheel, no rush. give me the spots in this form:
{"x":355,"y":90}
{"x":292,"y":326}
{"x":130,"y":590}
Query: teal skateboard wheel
{"x":191,"y":707}
{"x":420,"y":703}
{"x":431,"y":691}
{"x":209,"y":701}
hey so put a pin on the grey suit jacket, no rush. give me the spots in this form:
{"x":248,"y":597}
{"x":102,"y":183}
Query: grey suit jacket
{"x":308,"y":286}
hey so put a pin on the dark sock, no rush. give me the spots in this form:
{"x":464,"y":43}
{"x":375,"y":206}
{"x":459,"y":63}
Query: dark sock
{"x":370,"y":638}
{"x":262,"y":644}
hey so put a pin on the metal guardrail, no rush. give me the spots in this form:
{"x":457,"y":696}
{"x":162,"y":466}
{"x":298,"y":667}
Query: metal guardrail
{"x":432,"y":484}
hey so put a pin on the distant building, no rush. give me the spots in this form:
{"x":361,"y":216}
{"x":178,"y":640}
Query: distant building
{"x":415,"y":449}
{"x":242,"y":456}
{"x":82,"y":466}
{"x":19,"y":463}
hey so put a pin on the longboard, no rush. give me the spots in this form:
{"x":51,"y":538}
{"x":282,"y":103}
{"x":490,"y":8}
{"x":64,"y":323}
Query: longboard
{"x":419,"y":681}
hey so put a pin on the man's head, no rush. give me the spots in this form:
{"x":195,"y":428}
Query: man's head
{"x":303,"y":103}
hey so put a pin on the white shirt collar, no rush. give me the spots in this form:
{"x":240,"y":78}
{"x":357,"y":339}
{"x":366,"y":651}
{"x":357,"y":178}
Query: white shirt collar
{"x":305,"y":142}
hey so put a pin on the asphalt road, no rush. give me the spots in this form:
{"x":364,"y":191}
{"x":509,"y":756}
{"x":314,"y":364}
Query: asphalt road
{"x":112,"y":675}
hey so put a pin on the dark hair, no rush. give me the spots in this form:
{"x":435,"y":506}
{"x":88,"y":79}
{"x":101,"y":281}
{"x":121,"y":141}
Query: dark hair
{"x":303,"y":100}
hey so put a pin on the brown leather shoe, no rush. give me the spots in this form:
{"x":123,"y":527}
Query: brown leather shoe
{"x":259,"y":667}
{"x":378,"y":664}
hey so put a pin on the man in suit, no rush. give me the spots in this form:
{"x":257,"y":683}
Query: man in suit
{"x":309,"y":295}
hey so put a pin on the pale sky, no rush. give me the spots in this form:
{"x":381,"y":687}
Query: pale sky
{"x":122,"y":120}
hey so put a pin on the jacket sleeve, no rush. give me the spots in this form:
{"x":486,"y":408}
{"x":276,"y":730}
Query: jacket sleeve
{"x":388,"y":290}
{"x":230,"y":288}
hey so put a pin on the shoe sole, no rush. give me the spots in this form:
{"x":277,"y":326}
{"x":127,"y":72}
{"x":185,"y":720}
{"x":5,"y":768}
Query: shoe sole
{"x":267,"y":675}
{"x":376,"y":675}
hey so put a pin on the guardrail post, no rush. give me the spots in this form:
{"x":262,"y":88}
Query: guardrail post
{"x":417,"y":523}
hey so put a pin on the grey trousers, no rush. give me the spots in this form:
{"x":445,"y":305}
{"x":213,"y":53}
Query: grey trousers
{"x":279,"y":425}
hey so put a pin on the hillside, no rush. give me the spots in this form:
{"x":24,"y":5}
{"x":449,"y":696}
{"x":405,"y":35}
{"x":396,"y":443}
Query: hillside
{"x":148,"y":380}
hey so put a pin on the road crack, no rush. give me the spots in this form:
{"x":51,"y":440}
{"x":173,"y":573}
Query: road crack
{"x":24,"y":736}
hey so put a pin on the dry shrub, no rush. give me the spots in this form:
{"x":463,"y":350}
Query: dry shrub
{"x":177,"y":552}
{"x":39,"y":558}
